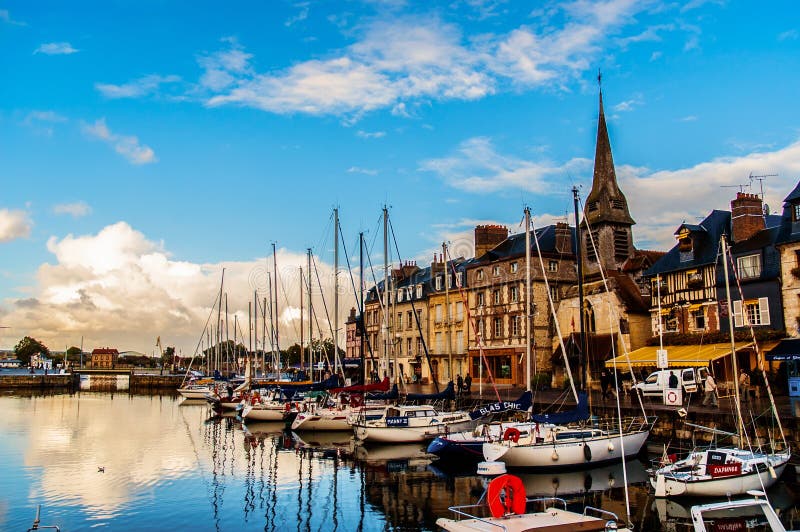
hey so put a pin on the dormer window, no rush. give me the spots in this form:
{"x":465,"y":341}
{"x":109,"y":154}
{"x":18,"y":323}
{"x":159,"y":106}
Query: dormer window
{"x":438,"y":282}
{"x":796,"y":212}
{"x":514,"y":267}
{"x":400,"y":294}
{"x":749,"y":266}
{"x":419,"y":291}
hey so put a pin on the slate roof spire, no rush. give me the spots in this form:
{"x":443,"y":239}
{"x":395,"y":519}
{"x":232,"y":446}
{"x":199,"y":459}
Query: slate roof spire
{"x":605,"y":202}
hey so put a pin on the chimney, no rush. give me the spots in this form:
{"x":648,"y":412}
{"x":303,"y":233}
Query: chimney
{"x":409,"y":269}
{"x":747,"y":216}
{"x":563,"y":238}
{"x":488,"y":236}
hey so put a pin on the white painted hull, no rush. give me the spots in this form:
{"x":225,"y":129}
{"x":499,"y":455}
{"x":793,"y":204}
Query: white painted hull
{"x":329,"y":421}
{"x":195,"y":393}
{"x":718,"y":487}
{"x":409,"y":434}
{"x":263,"y":413}
{"x":568,"y":453}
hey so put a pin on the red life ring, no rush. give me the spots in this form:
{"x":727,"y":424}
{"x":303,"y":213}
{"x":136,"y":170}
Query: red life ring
{"x":288,"y":407}
{"x":506,"y":495}
{"x":511,"y":433}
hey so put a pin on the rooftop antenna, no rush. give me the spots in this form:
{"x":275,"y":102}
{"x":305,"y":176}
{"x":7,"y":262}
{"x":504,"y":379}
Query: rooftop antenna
{"x":741,"y":187}
{"x":761,"y":179}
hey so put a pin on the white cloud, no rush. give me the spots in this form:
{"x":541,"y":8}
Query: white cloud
{"x":655,"y":56}
{"x":359,"y":170}
{"x":43,"y":121}
{"x":14,"y":224}
{"x":659,"y":200}
{"x":370,"y":134}
{"x":75,"y":209}
{"x":789,"y":35}
{"x":477,"y":167}
{"x":689,"y":118}
{"x":56,"y":48}
{"x":629,"y":105}
{"x":127,"y":146}
{"x":119,"y":288}
{"x":136,"y":88}
{"x":301,"y":15}
{"x":5,"y":16}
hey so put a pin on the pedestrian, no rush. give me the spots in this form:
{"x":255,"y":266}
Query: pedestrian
{"x":604,"y":383}
{"x":673,"y":380}
{"x":459,"y":384}
{"x":467,"y":384}
{"x":710,"y":389}
{"x":744,"y":385}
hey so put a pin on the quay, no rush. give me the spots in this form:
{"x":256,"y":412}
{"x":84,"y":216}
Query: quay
{"x":127,"y":378}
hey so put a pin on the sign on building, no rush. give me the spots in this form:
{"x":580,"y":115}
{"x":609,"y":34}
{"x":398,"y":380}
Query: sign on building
{"x":661,"y":359}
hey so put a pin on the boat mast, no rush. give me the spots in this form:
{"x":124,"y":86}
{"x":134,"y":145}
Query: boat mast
{"x":447,"y":314}
{"x":528,"y":300}
{"x":310,"y":318}
{"x":582,"y":356}
{"x":275,"y":309}
{"x":335,"y":291}
{"x":734,"y":363}
{"x":255,"y":328}
{"x":219,"y":320}
{"x":302,"y":358}
{"x":363,"y":331}
{"x":264,"y":337}
{"x":386,"y":292}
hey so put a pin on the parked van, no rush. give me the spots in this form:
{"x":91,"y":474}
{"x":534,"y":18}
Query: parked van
{"x":690,"y":379}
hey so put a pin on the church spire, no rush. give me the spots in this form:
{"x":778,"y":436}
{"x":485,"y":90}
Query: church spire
{"x":606,"y":202}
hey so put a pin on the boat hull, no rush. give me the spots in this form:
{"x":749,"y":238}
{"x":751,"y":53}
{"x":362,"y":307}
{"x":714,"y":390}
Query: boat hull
{"x":549,"y":455}
{"x":667,"y":486}
{"x":194,"y":393}
{"x":409,"y":434}
{"x":263,"y":413}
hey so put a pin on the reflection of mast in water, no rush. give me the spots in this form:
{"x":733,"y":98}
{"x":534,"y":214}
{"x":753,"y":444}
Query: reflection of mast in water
{"x":250,"y":445}
{"x":211,"y":436}
{"x":272,"y":504}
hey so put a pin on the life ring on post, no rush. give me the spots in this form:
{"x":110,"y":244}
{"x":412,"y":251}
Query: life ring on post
{"x":506,"y":495}
{"x":511,"y":433}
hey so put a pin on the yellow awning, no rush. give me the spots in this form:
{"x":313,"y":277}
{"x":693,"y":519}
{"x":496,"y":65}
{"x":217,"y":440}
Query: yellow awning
{"x":695,"y":306}
{"x":665,"y":311}
{"x":679,"y":356}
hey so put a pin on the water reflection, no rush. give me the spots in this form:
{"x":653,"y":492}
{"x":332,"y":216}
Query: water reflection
{"x":171,"y":463}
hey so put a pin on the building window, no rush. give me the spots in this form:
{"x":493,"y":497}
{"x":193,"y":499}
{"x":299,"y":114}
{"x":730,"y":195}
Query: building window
{"x":481,"y":329}
{"x":419,"y":291}
{"x":496,"y":297}
{"x":400,"y":347}
{"x":400,"y":294}
{"x":516,"y":325}
{"x":498,"y":327}
{"x":419,"y":315}
{"x":479,"y":275}
{"x":554,"y":293}
{"x":408,"y":347}
{"x":439,"y":343}
{"x":749,"y":266}
{"x":399,"y":320}
{"x":449,"y":281}
{"x":459,"y":311}
{"x":459,"y":341}
{"x":409,"y":320}
{"x":438,"y":313}
{"x":698,"y":318}
{"x":479,"y":301}
{"x":513,"y":294}
{"x":419,"y":345}
{"x":796,"y":212}
{"x":694,"y":279}
{"x":438,"y":282}
{"x":751,"y":312}
{"x":552,"y":266}
{"x":459,"y":279}
{"x":514,"y":267}
{"x":496,"y":271}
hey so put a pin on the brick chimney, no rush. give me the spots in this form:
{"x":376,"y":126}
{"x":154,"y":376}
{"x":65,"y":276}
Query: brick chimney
{"x":747,"y":216}
{"x":488,"y":236}
{"x":563,"y":238}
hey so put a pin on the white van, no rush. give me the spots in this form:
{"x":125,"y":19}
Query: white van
{"x":690,"y":379}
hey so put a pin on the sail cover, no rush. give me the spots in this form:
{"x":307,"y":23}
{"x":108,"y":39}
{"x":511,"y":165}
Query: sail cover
{"x":361,"y":388}
{"x":447,"y":393}
{"x":580,"y":413}
{"x":393,"y":394}
{"x":521,"y":404}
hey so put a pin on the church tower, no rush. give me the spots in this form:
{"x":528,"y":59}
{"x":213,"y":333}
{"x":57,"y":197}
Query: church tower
{"x":606,"y":211}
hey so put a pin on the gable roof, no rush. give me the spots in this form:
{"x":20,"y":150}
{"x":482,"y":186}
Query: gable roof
{"x":514,"y":245}
{"x":705,"y":244}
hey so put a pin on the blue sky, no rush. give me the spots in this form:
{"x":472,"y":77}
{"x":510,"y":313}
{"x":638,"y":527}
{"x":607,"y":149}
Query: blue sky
{"x":193,"y":134}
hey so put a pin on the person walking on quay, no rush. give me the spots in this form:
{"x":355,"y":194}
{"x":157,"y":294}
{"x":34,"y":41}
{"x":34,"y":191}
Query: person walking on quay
{"x":744,"y":385}
{"x":710,"y":388}
{"x":459,"y":384}
{"x":467,"y":384}
{"x":673,"y":380}
{"x":604,"y":383}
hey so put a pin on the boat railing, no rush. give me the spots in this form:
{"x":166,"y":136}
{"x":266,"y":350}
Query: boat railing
{"x":599,"y":512}
{"x":36,"y":521}
{"x":461,"y":511}
{"x":629,"y":424}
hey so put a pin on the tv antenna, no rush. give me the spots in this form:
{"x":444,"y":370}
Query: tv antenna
{"x":741,"y":187}
{"x":761,"y":179}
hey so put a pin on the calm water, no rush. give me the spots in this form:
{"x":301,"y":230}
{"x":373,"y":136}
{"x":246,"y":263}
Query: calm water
{"x":170,"y":464}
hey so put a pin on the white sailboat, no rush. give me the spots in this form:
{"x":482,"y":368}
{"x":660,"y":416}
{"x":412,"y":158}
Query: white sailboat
{"x":724,"y":471}
{"x":554,"y":440}
{"x":411,"y":423}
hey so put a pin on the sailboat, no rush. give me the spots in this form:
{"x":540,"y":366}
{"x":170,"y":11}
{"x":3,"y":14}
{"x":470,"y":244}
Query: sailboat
{"x":723,"y":471}
{"x":563,"y":439}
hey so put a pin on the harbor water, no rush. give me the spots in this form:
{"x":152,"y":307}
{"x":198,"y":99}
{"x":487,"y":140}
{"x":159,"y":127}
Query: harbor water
{"x":120,"y":461}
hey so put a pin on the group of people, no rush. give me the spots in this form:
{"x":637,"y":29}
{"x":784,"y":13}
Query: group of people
{"x":463,"y":385}
{"x":710,"y":388}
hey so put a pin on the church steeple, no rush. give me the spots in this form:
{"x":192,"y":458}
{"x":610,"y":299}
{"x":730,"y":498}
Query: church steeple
{"x":606,"y":202}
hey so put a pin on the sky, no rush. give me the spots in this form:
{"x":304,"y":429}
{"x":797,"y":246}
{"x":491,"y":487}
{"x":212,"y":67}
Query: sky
{"x":145,"y":146}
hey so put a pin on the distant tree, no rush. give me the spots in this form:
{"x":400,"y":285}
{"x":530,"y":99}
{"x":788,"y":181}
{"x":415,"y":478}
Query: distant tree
{"x":27,"y":347}
{"x":168,"y":357}
{"x":72,"y":351}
